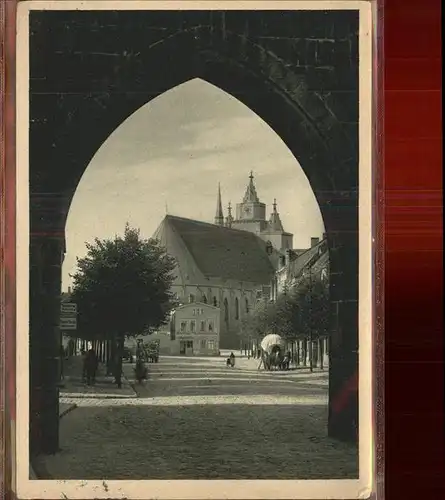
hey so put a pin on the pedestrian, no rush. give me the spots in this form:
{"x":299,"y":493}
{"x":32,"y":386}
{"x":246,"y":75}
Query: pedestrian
{"x":91,"y":364}
{"x":232,"y":359}
{"x":83,"y":356}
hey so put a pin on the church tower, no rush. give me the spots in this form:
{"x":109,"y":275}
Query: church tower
{"x":275,"y":233}
{"x":229,"y":218}
{"x":219,"y":216}
{"x":250,"y":213}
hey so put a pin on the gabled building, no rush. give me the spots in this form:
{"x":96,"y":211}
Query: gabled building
{"x":234,"y":262}
{"x":295,"y":267}
{"x":217,"y":265}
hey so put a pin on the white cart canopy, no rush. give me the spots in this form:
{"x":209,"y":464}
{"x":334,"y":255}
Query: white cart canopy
{"x":271,"y":340}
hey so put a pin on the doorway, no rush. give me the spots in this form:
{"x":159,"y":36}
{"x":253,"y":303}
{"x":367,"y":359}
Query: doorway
{"x":186,"y":347}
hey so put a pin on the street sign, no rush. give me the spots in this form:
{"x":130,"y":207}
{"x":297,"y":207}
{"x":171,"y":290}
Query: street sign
{"x":68,"y":309}
{"x":68,"y":316}
{"x":68,"y":323}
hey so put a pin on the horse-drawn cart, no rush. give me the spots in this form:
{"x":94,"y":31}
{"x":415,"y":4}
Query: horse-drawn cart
{"x":273,"y":353}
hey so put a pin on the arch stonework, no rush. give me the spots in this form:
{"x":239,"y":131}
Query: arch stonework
{"x":298,"y":72}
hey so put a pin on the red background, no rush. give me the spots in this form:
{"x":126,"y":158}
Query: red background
{"x":412,"y":145}
{"x":414,"y":379}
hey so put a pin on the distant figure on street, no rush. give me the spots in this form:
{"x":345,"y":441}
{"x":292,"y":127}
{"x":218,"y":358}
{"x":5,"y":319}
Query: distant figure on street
{"x":91,"y":365}
{"x":83,"y":355}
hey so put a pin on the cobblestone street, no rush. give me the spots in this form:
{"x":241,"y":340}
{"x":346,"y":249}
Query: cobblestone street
{"x":196,"y":418}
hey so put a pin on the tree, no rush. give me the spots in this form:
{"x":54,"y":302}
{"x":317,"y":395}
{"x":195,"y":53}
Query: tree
{"x":280,"y":316}
{"x":122,"y":287}
{"x":313,"y":296}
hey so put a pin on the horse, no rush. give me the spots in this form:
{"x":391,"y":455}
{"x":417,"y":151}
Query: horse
{"x":274,"y":359}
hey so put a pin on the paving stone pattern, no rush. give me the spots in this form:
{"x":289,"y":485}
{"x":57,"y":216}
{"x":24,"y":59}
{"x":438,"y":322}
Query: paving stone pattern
{"x":196,"y":419}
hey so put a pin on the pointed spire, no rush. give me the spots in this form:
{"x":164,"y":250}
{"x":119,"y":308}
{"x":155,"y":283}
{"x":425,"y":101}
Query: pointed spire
{"x":275,"y":221}
{"x":219,"y":216}
{"x":229,"y":218}
{"x":251,"y":194}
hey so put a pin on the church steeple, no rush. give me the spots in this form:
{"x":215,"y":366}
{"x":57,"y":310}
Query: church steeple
{"x":275,"y":223}
{"x":251,"y":194}
{"x":219,"y":216}
{"x":229,"y":218}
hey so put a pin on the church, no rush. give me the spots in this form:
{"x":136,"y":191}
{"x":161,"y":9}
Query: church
{"x":230,"y":264}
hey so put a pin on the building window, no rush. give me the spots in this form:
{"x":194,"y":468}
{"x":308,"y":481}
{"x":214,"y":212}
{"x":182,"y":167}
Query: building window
{"x":192,"y":325}
{"x":211,"y":345}
{"x":236,"y":308}
{"x":226,"y":311}
{"x":191,"y":298}
{"x":215,"y":302}
{"x":247,"y":306}
{"x":203,"y":326}
{"x":183,"y":326}
{"x":203,"y":344}
{"x":211,"y":325}
{"x":194,"y":312}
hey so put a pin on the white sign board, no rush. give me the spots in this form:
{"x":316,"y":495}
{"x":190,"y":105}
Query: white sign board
{"x":68,"y":309}
{"x":68,"y":323}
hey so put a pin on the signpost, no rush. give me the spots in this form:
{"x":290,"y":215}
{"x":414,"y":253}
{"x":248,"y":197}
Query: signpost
{"x":68,"y":316}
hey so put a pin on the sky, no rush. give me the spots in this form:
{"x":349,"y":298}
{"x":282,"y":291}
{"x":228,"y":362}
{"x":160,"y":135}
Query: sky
{"x":170,"y":155}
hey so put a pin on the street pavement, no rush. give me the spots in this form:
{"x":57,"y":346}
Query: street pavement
{"x":195,"y":418}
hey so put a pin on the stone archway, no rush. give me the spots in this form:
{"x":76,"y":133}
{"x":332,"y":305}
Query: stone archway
{"x":74,"y":111}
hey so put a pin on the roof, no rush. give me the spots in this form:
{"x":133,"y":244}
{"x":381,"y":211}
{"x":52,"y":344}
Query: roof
{"x":308,"y":258}
{"x":219,"y":251}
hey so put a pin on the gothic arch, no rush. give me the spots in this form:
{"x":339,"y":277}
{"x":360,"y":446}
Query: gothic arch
{"x":104,"y":79}
{"x":231,"y":62}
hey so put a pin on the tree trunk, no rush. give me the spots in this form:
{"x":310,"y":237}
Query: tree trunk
{"x":311,"y":358}
{"x":118,"y":364}
{"x":315,"y":353}
{"x":321,"y":347}
{"x":304,"y":353}
{"x":111,"y":357}
{"x":297,"y":353}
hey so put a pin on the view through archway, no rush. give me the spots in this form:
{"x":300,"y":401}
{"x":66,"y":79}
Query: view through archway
{"x":196,"y":165}
{"x":188,"y":163}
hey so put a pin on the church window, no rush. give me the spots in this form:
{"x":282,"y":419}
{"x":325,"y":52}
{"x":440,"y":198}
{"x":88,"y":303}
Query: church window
{"x":192,"y":325}
{"x":236,"y":308}
{"x":194,"y":312}
{"x":215,"y":302}
{"x":203,"y":326}
{"x":226,"y":311}
{"x":183,"y":326}
{"x":247,"y":306}
{"x":191,"y":298}
{"x":210,"y":326}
